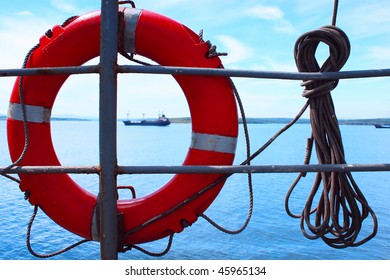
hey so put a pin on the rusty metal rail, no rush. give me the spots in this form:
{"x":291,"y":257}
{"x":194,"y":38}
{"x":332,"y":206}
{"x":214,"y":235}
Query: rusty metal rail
{"x":188,"y":169}
{"x":108,"y":169}
{"x":171,"y":70}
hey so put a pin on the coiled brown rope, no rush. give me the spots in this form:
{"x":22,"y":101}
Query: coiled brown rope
{"x":342,"y":207}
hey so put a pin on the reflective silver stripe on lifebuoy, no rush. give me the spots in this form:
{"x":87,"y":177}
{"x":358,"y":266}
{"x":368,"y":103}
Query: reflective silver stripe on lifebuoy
{"x":131,"y":19}
{"x":214,"y":143}
{"x":35,"y":114}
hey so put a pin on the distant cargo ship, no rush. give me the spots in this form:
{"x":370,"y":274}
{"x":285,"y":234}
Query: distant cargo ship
{"x":161,"y":121}
{"x":382,"y":125}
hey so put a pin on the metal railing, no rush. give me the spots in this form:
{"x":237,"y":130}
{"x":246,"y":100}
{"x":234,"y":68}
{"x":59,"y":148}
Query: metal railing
{"x":108,"y":168}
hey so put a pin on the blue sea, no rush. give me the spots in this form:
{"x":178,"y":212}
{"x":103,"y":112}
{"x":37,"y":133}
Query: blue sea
{"x":271,"y":233}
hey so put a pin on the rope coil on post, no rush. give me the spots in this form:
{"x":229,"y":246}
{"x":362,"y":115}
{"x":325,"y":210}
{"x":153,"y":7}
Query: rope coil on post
{"x":342,"y":207}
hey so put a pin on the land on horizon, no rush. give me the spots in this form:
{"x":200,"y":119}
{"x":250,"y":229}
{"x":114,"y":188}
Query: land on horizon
{"x":249,"y":120}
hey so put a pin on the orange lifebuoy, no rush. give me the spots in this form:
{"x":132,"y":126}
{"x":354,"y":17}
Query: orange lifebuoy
{"x":210,"y":99}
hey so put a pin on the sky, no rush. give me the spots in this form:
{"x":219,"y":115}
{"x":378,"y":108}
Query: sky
{"x":256,"y":34}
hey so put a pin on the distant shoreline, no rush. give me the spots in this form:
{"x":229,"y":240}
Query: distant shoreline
{"x":249,"y":120}
{"x":300,"y":121}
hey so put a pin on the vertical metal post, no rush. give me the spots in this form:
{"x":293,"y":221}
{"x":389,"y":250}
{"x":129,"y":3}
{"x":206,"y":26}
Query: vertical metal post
{"x":107,"y":126}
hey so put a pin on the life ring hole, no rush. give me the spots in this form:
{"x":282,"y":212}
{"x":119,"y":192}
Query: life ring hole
{"x":75,"y":119}
{"x":145,"y":96}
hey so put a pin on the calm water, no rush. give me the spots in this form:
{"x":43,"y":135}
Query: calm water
{"x":271,"y":234}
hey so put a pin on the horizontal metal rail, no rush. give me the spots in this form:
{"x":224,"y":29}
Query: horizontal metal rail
{"x":87,"y":69}
{"x":50,"y":170}
{"x":191,"y":169}
{"x":170,"y":70}
{"x":254,"y":73}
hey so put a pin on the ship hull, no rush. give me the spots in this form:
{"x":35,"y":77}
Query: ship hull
{"x":382,"y":126}
{"x":147,"y":123}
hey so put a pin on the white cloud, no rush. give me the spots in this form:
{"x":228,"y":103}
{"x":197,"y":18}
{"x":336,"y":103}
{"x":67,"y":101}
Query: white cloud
{"x":150,"y":94}
{"x":380,"y":52}
{"x":237,"y":51}
{"x":17,"y":38}
{"x":305,"y":7}
{"x":273,"y":14}
{"x":377,"y":56}
{"x":271,"y":64}
{"x":266,"y":12}
{"x":284,"y":26}
{"x":368,"y":20}
{"x":270,"y":98}
{"x":167,"y":3}
{"x":24,"y":13}
{"x":64,"y":6}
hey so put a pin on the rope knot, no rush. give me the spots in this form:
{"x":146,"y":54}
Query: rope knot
{"x":304,"y":54}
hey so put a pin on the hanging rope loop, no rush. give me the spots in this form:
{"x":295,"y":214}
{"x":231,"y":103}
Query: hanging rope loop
{"x":45,"y":256}
{"x":341,"y":207}
{"x":304,"y":54}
